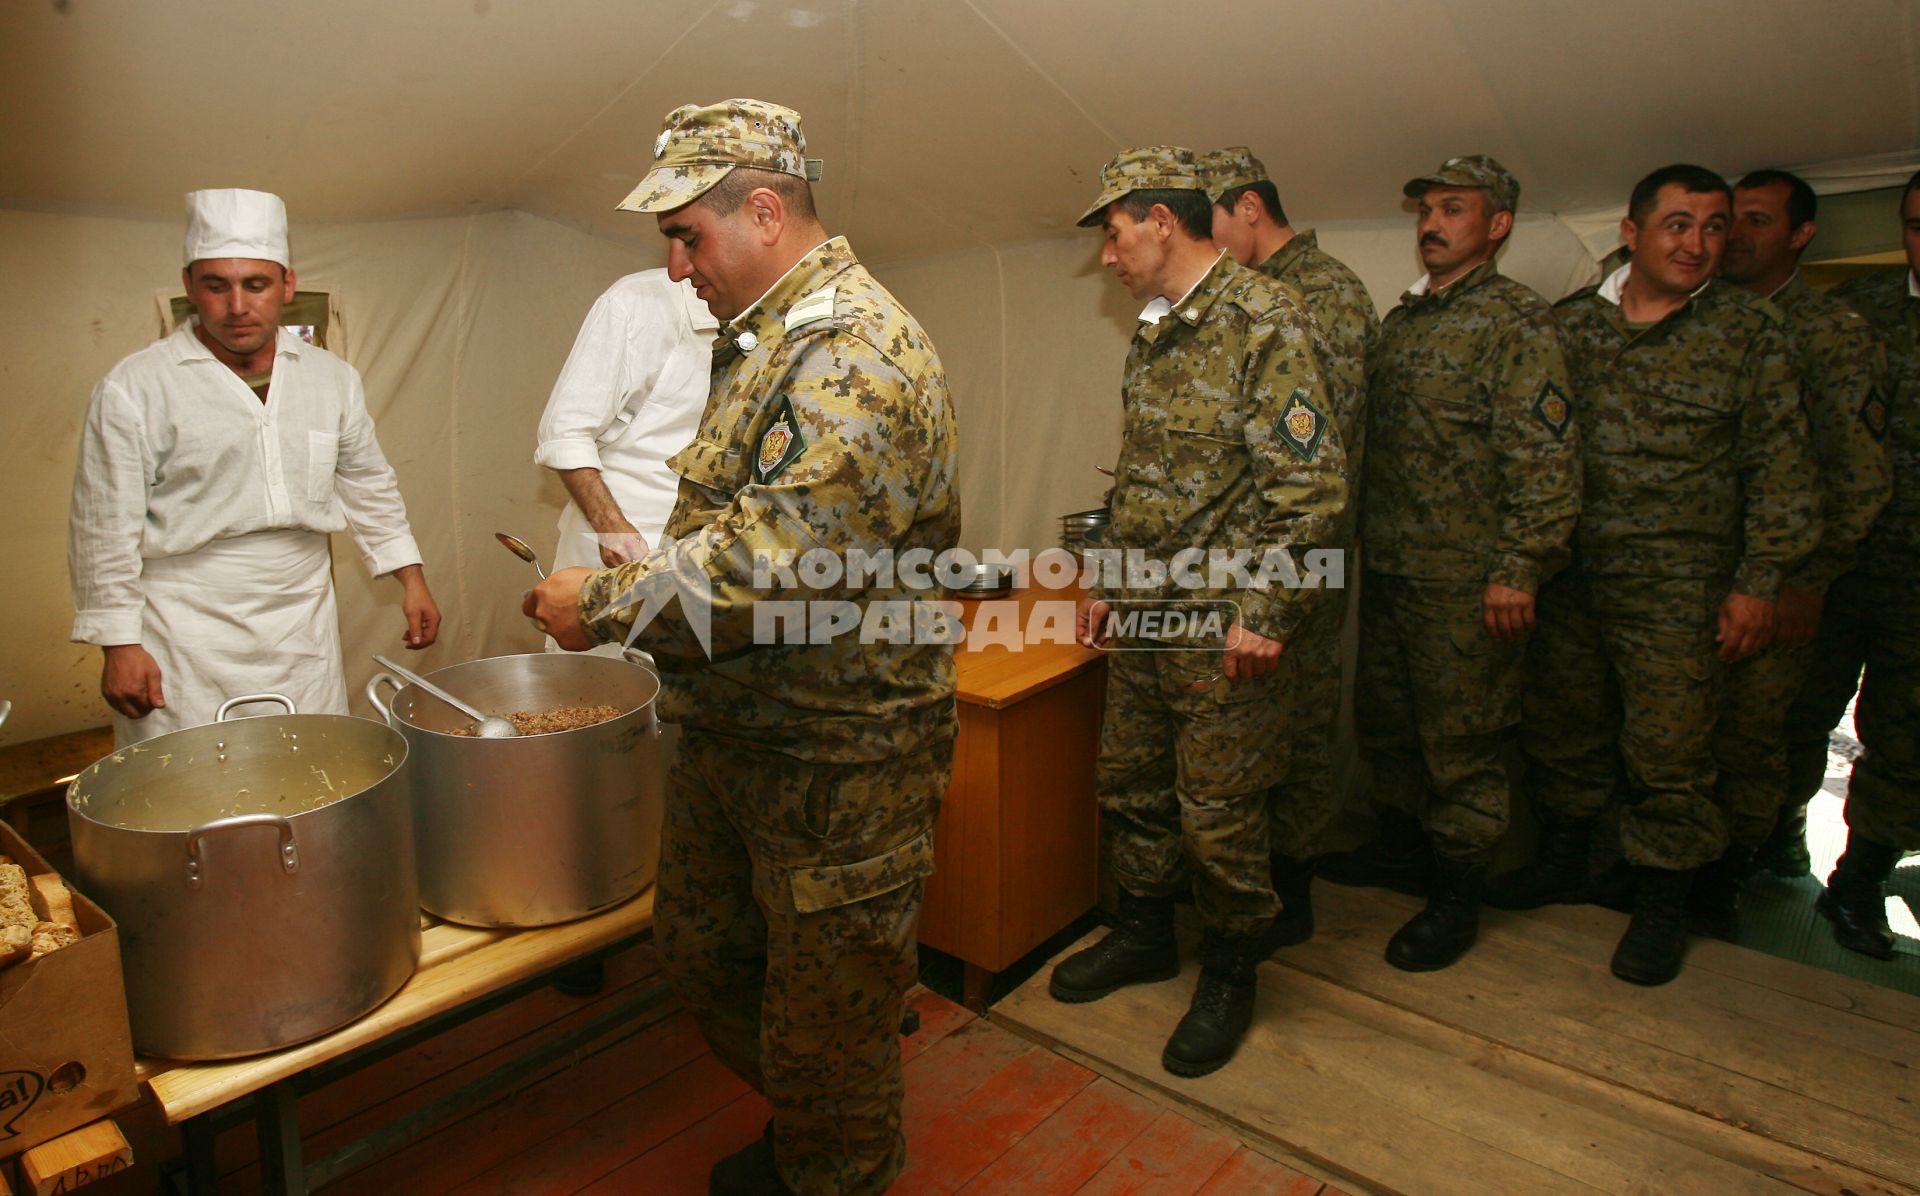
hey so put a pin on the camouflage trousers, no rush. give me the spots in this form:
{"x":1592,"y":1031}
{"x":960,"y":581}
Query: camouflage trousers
{"x":1871,"y":623}
{"x":786,"y":914}
{"x":1749,"y":741}
{"x":1438,"y":699}
{"x":1301,"y":806}
{"x":1624,"y":671}
{"x":1186,"y":760}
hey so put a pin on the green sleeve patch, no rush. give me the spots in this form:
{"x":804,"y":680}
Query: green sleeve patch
{"x":780,"y":444}
{"x":1302,"y":425}
{"x":1873,"y":413}
{"x":1553,"y":409}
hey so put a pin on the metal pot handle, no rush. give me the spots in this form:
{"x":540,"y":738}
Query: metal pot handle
{"x":289,"y":854}
{"x":635,"y":656}
{"x":373,"y":694}
{"x":220,"y":716}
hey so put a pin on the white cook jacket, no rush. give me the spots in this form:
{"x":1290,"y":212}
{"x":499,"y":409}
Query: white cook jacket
{"x":629,"y":397}
{"x":181,"y":462}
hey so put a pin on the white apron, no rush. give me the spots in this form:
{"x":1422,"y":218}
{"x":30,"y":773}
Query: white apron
{"x":247,"y":614}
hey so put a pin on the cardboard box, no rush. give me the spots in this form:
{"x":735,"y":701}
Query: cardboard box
{"x":66,"y":1050}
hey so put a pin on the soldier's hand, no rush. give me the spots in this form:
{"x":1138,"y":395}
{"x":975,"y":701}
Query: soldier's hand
{"x":1248,"y":654}
{"x":1746,"y":626}
{"x":554,"y":607}
{"x":1507,"y":612}
{"x":130,"y":680}
{"x":1090,"y":623}
{"x":1797,"y":616}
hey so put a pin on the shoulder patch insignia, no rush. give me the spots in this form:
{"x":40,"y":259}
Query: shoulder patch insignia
{"x":1873,"y":413}
{"x":780,"y":444}
{"x":1302,"y":425}
{"x":1553,"y":409}
{"x":817,"y":306}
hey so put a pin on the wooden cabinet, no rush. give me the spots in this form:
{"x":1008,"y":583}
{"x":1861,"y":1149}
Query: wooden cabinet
{"x":1017,"y":849}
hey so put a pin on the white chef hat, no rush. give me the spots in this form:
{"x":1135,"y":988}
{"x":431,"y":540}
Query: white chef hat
{"x":234,"y":222}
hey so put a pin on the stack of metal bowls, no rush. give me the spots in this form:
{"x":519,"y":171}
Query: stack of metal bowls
{"x":984,"y":581}
{"x":1083,"y":530}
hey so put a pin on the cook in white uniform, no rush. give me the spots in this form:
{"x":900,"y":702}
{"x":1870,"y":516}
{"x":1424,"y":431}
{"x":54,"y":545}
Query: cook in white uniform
{"x":213,"y":465}
{"x":629,"y":397}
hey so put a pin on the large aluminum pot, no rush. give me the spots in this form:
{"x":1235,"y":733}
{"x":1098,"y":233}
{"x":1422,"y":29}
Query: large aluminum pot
{"x":262,"y":873}
{"x":542,"y":828}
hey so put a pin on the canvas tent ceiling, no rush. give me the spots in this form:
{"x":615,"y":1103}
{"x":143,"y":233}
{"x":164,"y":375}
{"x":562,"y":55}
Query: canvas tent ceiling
{"x":945,"y":123}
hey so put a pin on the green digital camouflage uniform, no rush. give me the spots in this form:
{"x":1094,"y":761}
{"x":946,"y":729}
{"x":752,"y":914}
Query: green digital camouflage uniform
{"x":1697,"y":481}
{"x":800,"y":817}
{"x":1227,"y":445}
{"x":1872,"y":616}
{"x":1302,"y":805}
{"x":1842,"y":371}
{"x":1473,"y":477}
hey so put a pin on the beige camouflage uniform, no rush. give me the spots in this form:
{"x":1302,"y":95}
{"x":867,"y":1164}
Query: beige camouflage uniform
{"x":1302,"y":805}
{"x":1697,"y":481}
{"x":1842,"y":371}
{"x":1473,"y":477}
{"x":1227,"y":445}
{"x":800,"y":814}
{"x":1872,"y":617}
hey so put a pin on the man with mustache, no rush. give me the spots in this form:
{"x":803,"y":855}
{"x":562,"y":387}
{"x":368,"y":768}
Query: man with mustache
{"x":1872,"y":620}
{"x":1473,"y":486}
{"x":1250,"y":224}
{"x":1842,"y":372}
{"x":213,"y":466}
{"x":1697,"y":502}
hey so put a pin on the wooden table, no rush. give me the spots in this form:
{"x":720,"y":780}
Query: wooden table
{"x":1017,"y":849}
{"x":463,"y":972}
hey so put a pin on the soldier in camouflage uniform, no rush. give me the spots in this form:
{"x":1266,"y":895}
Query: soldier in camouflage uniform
{"x":1698,"y":499}
{"x":1473,"y":488}
{"x":800,"y":814}
{"x":1228,"y":447}
{"x":1250,"y":224}
{"x":1842,"y":373}
{"x":1872,"y":618}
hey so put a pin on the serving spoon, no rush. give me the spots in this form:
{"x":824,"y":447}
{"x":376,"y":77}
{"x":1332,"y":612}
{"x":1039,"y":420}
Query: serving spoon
{"x":490,"y":726}
{"x":519,"y":548}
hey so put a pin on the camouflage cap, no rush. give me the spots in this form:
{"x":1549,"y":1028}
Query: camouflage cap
{"x":1474,"y":170}
{"x":1149,"y":168}
{"x":699,"y":144}
{"x":1224,"y":169}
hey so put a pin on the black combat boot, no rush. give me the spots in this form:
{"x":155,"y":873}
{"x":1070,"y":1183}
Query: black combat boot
{"x":749,"y":1171}
{"x":1785,"y":852}
{"x":1222,"y":1006}
{"x":1656,"y":940}
{"x":1138,"y":950}
{"x":1713,"y":906}
{"x":1855,"y":900}
{"x":1557,"y":873}
{"x":1440,"y":934}
{"x":1293,"y":882}
{"x":1400,"y":858}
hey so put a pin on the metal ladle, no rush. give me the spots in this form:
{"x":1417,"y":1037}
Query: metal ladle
{"x":518,"y":547}
{"x":489,"y":726}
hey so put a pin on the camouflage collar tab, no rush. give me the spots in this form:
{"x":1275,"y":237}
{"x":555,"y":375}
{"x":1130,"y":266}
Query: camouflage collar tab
{"x":767,"y":318}
{"x":1423,"y":289}
{"x":1553,"y":409}
{"x":1302,"y":425}
{"x":1285,"y":256}
{"x":780,"y":445}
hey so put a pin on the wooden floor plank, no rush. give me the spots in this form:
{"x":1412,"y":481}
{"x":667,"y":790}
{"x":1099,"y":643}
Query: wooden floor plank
{"x":954,"y":1148}
{"x":1683,"y":1043}
{"x":681,"y":1163}
{"x":503,"y":1136}
{"x":1398,"y":1113}
{"x":949,"y":1071}
{"x":1070,"y":1147}
{"x":1173,"y":1156}
{"x":939,"y":1017}
{"x":1250,"y":1173}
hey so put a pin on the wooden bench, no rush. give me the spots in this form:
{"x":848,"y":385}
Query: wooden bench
{"x":463,"y":973}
